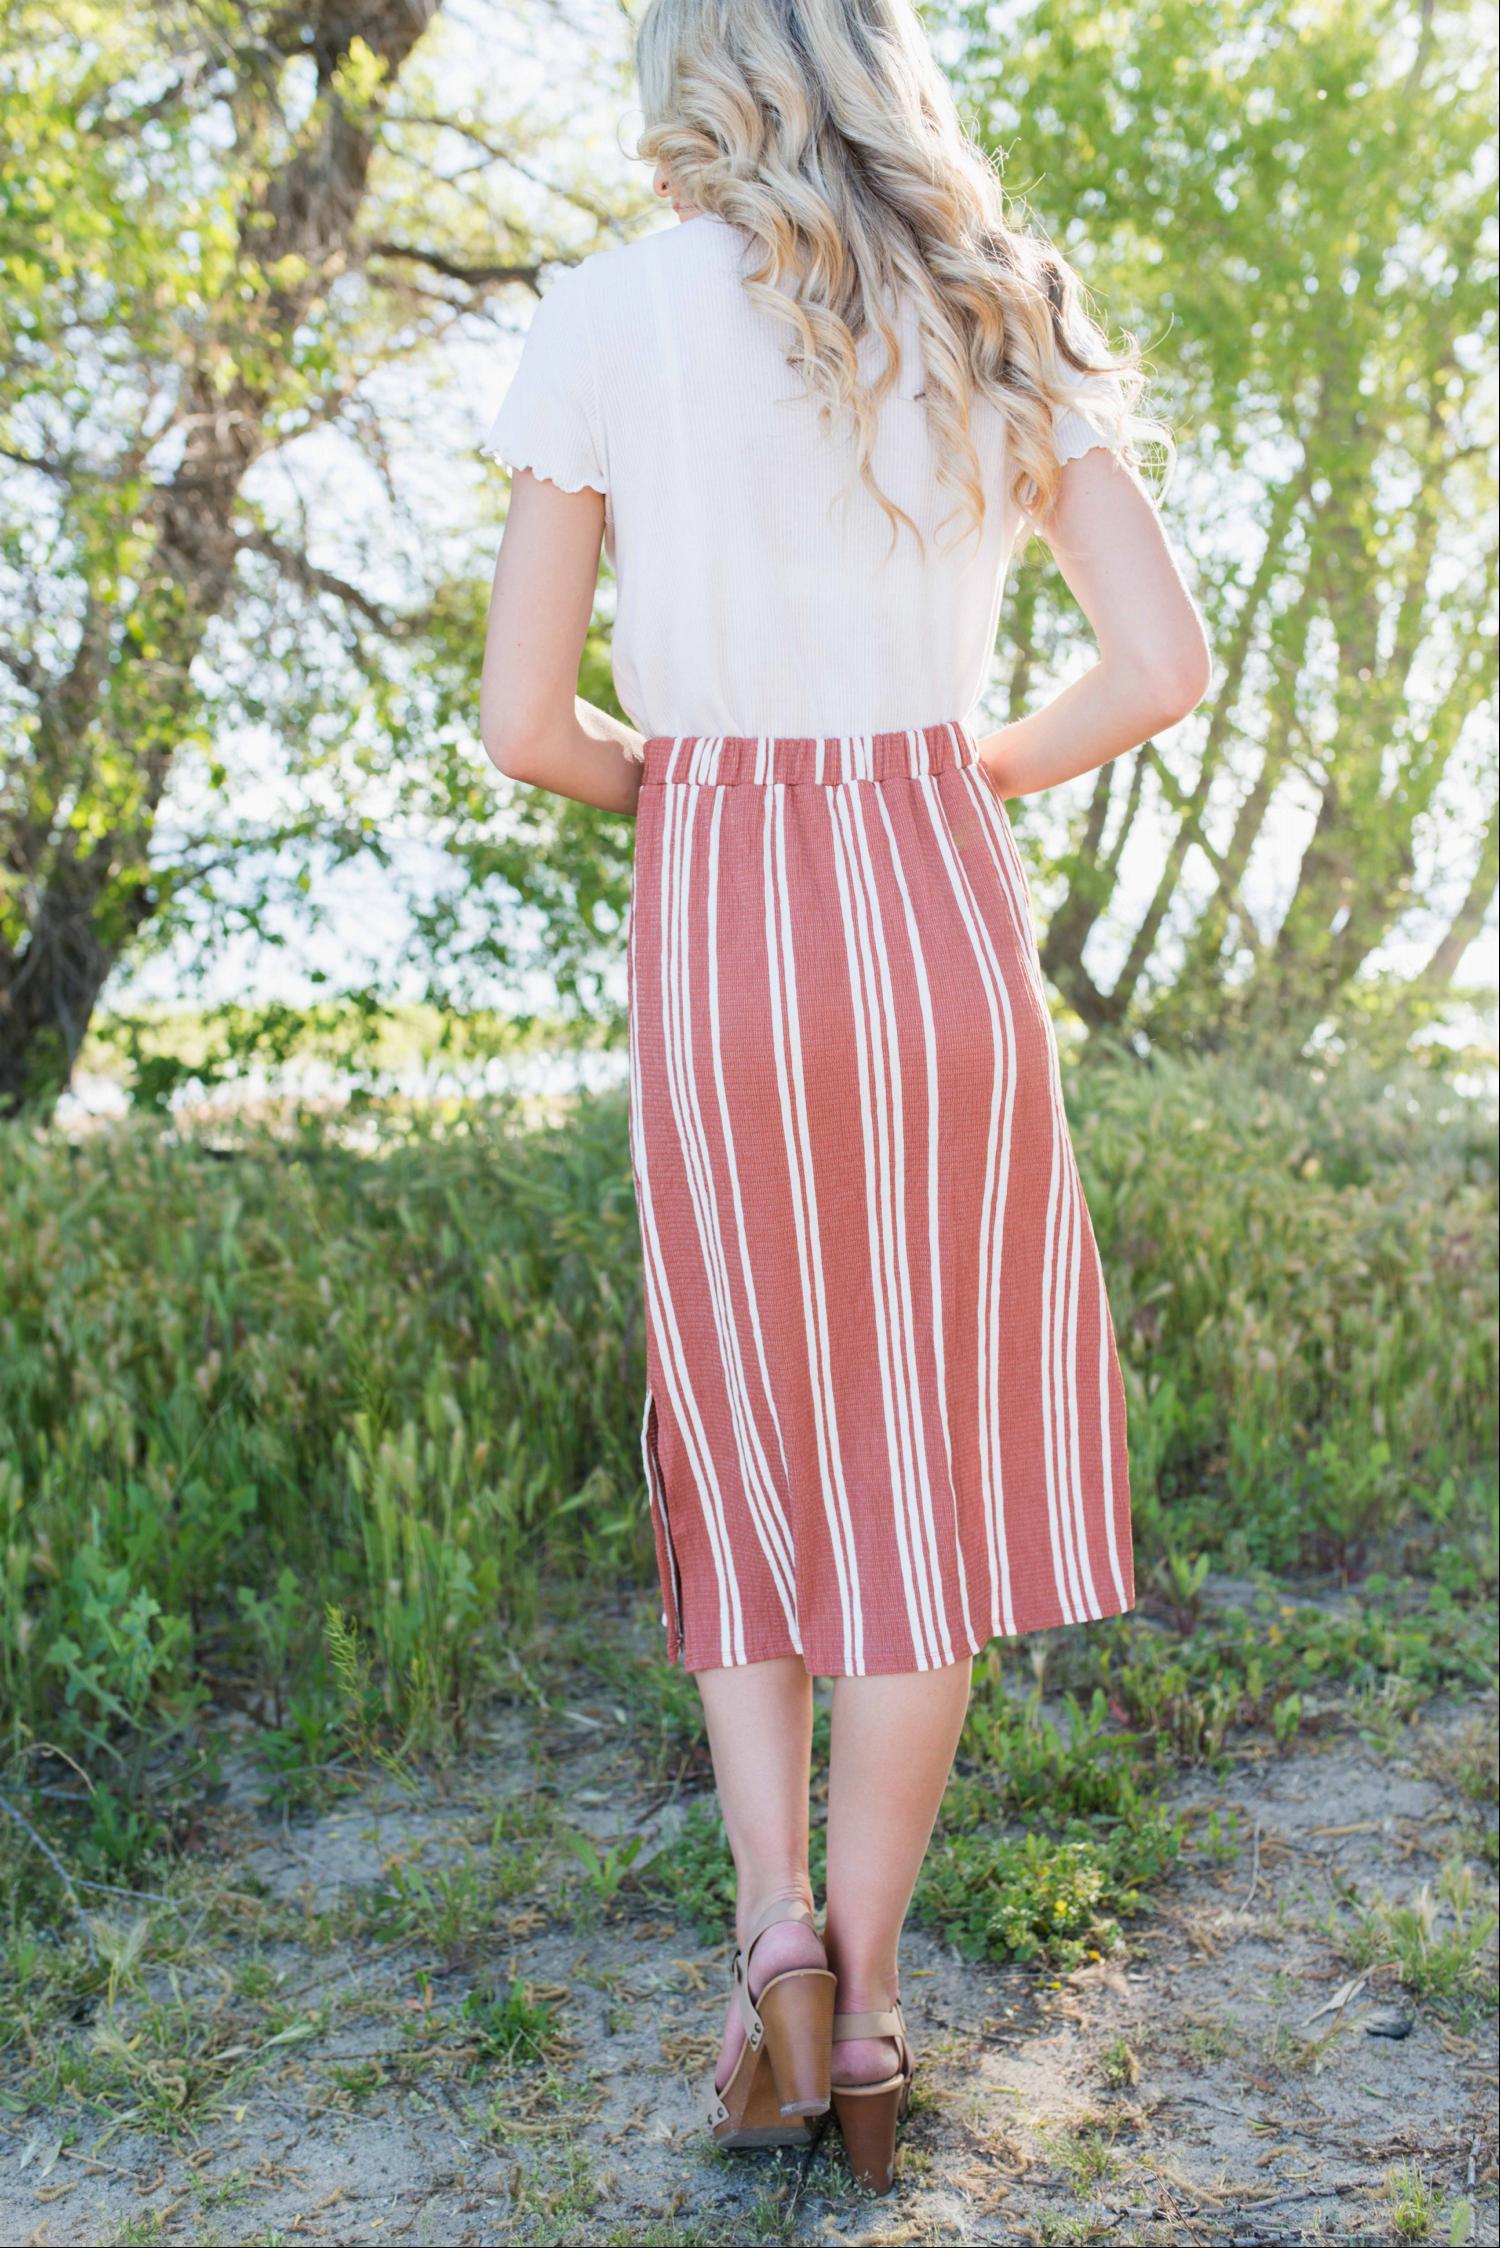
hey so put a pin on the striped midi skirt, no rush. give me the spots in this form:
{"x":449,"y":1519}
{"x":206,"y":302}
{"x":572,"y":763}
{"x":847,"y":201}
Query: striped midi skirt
{"x":884,"y":1420}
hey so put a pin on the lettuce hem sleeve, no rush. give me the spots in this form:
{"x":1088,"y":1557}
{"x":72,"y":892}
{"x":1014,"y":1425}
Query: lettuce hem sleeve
{"x":550,"y":420}
{"x":1073,"y":433}
{"x":569,"y":472}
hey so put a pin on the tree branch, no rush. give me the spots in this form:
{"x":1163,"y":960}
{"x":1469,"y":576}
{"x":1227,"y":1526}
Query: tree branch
{"x":299,"y":570}
{"x":1470,"y":918}
{"x":455,"y":269}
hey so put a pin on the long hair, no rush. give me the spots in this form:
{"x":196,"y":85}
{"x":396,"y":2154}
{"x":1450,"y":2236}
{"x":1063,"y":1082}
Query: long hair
{"x":825,"y":130}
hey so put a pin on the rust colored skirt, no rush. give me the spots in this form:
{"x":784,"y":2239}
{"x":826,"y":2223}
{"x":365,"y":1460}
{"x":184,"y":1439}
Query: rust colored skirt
{"x":884,"y":1419}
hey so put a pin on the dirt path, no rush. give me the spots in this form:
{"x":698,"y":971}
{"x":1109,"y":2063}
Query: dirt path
{"x":338,"y":2049}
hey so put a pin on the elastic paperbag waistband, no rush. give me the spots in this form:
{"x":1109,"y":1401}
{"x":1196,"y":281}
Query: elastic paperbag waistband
{"x":726,"y":759}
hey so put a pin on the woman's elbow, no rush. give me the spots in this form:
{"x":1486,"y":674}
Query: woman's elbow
{"x":1179,"y":677}
{"x":509,"y":743}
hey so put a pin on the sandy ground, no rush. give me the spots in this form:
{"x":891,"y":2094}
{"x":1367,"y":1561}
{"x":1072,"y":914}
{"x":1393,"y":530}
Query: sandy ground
{"x":1202,"y":2090}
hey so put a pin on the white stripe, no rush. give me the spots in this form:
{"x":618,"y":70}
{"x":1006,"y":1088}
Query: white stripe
{"x":909,"y":1377}
{"x":844,"y":1520}
{"x":934,"y":1201}
{"x":698,"y":1161}
{"x":1106,"y":1445}
{"x":722,"y":1090}
{"x":1075,"y":1298}
{"x":1064,"y":1187}
{"x":761,"y":1484}
{"x":674,"y":1368}
{"x":786,"y":1040}
{"x":772,"y":1531}
{"x":818,"y":760}
{"x":877,"y":1189}
{"x":1056,"y":1274}
{"x":992,"y":1214}
{"x":1072,"y":1189}
{"x":993,"y":1204}
{"x":1054,"y":1257}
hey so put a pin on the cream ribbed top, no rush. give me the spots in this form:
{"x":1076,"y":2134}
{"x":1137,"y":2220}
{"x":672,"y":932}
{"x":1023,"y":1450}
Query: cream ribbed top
{"x":758,"y":590}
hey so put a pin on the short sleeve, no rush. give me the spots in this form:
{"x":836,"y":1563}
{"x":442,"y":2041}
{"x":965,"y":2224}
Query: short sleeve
{"x":549,"y":419}
{"x":1098,"y":414}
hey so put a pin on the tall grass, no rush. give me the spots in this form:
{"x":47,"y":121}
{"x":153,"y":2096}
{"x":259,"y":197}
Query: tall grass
{"x":239,"y":1388}
{"x":1302,"y":1273}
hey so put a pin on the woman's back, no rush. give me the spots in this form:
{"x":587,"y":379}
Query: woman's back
{"x":883,"y":1419}
{"x":762,"y":589}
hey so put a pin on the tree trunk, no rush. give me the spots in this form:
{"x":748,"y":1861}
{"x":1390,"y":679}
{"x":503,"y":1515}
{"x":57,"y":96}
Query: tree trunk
{"x":126,"y":702}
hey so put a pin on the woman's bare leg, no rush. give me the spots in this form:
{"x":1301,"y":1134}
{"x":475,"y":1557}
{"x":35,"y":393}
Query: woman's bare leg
{"x":760,"y":1733}
{"x":893,"y":1744}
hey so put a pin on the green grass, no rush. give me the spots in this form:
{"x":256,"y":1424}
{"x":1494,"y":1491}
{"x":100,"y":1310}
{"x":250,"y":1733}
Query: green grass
{"x":507,"y":2024}
{"x":1441,"y":1940}
{"x":344,"y":1433}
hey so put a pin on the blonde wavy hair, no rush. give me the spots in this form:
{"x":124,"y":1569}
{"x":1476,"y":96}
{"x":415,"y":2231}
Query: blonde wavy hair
{"x":825,"y":130}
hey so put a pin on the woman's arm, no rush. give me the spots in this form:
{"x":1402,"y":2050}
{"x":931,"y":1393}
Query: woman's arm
{"x":530,"y":718}
{"x":1154,"y":661}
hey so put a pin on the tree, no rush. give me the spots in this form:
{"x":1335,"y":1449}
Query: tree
{"x":239,"y":628}
{"x":224,"y":224}
{"x":1290,"y":201}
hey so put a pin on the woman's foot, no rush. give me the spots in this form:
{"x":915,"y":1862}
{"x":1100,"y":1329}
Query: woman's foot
{"x":864,"y":2060}
{"x":784,"y":1946}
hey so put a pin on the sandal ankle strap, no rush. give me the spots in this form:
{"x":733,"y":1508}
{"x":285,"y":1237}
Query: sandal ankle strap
{"x":779,"y":1909}
{"x":887,"y":2023}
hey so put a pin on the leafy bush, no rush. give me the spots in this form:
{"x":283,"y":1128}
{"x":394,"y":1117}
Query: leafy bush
{"x":1302,"y":1272}
{"x":1026,"y":1897}
{"x":233,"y":1391}
{"x":403,"y":1378}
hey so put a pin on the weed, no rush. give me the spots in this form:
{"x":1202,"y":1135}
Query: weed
{"x":1085,"y":2158}
{"x":1207,"y":2041}
{"x":694,"y":1874}
{"x":1119,"y":2067}
{"x":1220,"y":1841}
{"x":1414,"y":2205}
{"x":1082,"y":1769}
{"x":445,"y":1906}
{"x":508,"y":2024}
{"x":1471,"y":1763}
{"x":1441,"y":1942}
{"x":605,"y":1868}
{"x":553,"y":2198}
{"x":144,"y":2230}
{"x":456,"y":1902}
{"x":304,"y":1754}
{"x":1032,"y":1898}
{"x":360,"y":2081}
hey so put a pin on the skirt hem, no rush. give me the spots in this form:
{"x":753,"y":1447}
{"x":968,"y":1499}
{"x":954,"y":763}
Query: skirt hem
{"x":775,"y":1652}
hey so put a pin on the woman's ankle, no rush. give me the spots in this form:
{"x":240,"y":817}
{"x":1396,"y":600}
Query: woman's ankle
{"x":865,"y":1986}
{"x":752,"y":1904}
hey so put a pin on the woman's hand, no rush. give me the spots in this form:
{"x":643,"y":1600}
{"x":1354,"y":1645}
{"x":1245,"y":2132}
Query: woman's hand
{"x":1154,"y":661}
{"x":530,"y":718}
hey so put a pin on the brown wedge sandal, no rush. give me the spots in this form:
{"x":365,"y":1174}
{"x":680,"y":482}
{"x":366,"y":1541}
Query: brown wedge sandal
{"x":869,"y":2113}
{"x":778,"y":2090}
